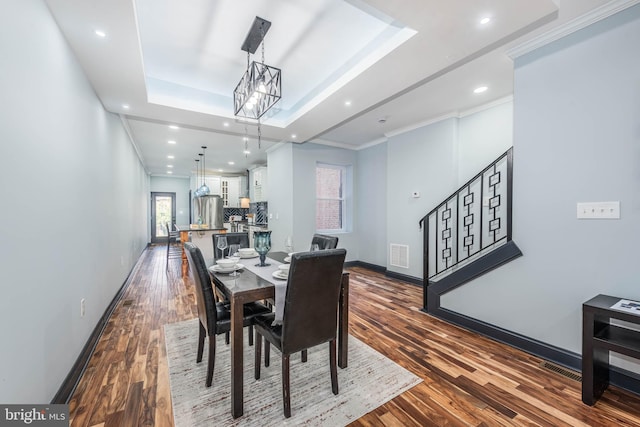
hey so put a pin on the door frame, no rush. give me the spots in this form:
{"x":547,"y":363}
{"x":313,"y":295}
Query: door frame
{"x":154,"y":194}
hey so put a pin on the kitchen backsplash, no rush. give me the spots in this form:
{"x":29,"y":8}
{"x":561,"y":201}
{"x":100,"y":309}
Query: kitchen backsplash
{"x":260,"y":212}
{"x":235,"y":211}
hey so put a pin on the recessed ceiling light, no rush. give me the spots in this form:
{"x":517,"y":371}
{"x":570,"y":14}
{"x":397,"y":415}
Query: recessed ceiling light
{"x":347,"y":103}
{"x":294,"y":136}
{"x":480,"y":89}
{"x":171,"y":156}
{"x":174,"y":127}
{"x":101,"y":33}
{"x":169,"y":172}
{"x":246,"y":152}
{"x":231,"y":163}
{"x":125,"y":106}
{"x":169,"y":166}
{"x":225,"y":124}
{"x":485,"y":20}
{"x":245,"y":139}
{"x":171,"y":141}
{"x":220,"y":170}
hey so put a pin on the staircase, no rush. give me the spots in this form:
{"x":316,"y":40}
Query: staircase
{"x":469,"y":233}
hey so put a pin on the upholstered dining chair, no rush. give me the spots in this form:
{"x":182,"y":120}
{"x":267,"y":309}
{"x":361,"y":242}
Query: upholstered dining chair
{"x":324,"y":242}
{"x":310,"y":315}
{"x":215,"y":317}
{"x":173,"y":247}
{"x":241,"y":239}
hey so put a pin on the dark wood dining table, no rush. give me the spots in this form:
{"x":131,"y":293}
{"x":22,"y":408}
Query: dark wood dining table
{"x":248,"y":287}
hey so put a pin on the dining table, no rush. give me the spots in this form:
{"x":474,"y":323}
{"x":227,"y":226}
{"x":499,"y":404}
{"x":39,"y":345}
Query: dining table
{"x":247,"y":287}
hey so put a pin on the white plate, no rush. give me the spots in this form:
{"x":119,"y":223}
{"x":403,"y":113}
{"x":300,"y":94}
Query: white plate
{"x":248,"y":255}
{"x":284,"y":267}
{"x":217,"y":269}
{"x":279,"y":274}
{"x":287,"y":259}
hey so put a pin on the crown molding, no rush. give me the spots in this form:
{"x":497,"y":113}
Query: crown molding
{"x":572,"y":26}
{"x":127,"y":128}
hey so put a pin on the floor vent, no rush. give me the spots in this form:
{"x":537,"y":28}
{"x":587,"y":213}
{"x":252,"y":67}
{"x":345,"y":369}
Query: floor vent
{"x":399,"y":255}
{"x":562,"y":371}
{"x":127,"y":302}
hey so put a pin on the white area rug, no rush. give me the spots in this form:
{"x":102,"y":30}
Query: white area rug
{"x":370,"y":380}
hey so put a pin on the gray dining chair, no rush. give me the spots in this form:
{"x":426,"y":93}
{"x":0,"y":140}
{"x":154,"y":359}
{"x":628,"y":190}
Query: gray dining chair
{"x":241,"y":239}
{"x":310,"y":315}
{"x":324,"y":242}
{"x":214,"y":317}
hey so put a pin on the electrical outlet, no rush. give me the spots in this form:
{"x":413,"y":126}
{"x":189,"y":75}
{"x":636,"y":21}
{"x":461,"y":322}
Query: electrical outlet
{"x":82,"y":308}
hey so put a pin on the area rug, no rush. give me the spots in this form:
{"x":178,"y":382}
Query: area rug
{"x":370,"y":380}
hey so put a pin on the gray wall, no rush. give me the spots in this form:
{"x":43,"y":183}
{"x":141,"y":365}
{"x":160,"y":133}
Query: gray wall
{"x":371,"y":203}
{"x":434,"y":160}
{"x":180,"y":186}
{"x":74,"y":215}
{"x":577,"y":139}
{"x":294,"y":200}
{"x":280,"y":195}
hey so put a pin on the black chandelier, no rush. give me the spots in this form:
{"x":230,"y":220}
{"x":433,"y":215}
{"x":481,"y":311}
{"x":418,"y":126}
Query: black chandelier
{"x":260,"y":86}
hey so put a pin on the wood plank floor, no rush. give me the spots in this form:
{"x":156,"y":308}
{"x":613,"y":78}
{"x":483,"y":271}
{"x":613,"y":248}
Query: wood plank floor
{"x":469,"y":380}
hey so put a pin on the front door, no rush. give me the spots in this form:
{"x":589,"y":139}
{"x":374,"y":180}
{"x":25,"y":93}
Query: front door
{"x":163,"y":211}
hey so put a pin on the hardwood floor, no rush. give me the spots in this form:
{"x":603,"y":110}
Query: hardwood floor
{"x":469,"y":380}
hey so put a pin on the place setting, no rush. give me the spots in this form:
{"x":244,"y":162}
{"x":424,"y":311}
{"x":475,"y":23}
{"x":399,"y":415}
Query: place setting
{"x":229,"y":265}
{"x":282,"y":272}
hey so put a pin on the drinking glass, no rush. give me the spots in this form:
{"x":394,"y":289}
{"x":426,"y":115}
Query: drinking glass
{"x":233,"y":250}
{"x":221,"y":243}
{"x":262,"y":245}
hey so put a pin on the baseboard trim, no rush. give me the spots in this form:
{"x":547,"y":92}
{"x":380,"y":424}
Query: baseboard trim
{"x":618,"y":377}
{"x":379,"y":269}
{"x":373,"y":267}
{"x":405,"y":278}
{"x":70,"y":383}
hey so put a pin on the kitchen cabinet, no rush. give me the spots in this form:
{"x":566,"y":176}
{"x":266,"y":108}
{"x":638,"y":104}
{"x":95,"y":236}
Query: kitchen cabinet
{"x":230,"y":191}
{"x":259,"y":184}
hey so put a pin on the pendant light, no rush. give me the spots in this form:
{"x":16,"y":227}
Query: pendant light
{"x":204,"y":188}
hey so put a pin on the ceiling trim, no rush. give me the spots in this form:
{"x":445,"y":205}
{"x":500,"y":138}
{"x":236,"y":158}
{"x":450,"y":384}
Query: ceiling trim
{"x":572,"y":26}
{"x":127,"y":129}
{"x":486,"y":106}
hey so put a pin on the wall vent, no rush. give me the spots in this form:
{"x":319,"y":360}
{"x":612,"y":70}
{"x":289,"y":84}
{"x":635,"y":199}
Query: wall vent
{"x":399,"y":255}
{"x":560,"y":370}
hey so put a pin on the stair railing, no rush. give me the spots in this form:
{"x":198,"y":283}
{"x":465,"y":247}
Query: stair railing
{"x":470,"y":223}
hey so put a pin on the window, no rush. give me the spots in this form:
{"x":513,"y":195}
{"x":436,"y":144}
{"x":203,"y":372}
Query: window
{"x":330,"y":197}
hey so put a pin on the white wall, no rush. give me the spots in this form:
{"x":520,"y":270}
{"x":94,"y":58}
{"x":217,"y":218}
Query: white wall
{"x":423,"y":160}
{"x":74,"y":215}
{"x":303,"y":158}
{"x":482,"y":137}
{"x":371,"y":205}
{"x":180,"y":186}
{"x":577,"y":133}
{"x":280,"y":196}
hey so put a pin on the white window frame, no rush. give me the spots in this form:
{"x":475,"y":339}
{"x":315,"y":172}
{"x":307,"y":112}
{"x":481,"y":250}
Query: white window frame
{"x":343,"y":199}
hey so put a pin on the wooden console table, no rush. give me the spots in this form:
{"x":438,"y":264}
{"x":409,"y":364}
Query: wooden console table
{"x":599,"y":337}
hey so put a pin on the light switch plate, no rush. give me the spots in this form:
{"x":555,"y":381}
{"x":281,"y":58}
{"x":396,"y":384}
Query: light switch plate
{"x":598,"y":210}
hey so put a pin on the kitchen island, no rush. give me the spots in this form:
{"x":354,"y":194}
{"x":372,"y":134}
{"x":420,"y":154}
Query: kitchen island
{"x":201,"y":237}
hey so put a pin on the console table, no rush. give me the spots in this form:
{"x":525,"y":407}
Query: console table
{"x":599,"y":337}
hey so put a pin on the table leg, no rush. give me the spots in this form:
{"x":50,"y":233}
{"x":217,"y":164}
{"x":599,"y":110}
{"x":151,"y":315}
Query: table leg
{"x":184,"y":237}
{"x":343,"y":322}
{"x":236,"y":358}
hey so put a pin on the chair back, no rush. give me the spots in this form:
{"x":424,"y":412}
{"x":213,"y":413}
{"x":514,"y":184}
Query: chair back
{"x":241,"y":239}
{"x":311,"y":303}
{"x":204,"y":292}
{"x":324,"y":242}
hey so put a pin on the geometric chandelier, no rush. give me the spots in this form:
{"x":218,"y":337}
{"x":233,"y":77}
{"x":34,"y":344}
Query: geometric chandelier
{"x":261,"y":85}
